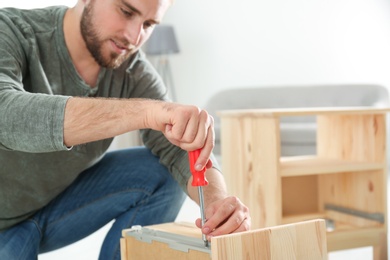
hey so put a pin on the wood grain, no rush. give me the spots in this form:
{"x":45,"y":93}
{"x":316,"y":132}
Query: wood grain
{"x":349,"y":170}
{"x":304,"y":241}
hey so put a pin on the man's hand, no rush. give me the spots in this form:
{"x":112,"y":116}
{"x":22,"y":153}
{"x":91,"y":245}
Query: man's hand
{"x":186,"y":126}
{"x":225,"y":216}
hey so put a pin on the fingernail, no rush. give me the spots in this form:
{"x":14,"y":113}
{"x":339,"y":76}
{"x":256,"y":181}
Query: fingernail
{"x":198,"y":167}
{"x":206,"y":230}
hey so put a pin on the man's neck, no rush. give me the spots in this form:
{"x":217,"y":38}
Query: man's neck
{"x":83,"y":61}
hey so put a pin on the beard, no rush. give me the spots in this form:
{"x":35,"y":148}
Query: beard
{"x":94,"y":42}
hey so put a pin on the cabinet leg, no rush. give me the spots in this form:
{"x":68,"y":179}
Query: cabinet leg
{"x":380,"y":251}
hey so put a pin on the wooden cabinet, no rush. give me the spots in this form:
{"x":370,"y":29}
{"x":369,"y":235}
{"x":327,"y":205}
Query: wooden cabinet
{"x":344,"y":182}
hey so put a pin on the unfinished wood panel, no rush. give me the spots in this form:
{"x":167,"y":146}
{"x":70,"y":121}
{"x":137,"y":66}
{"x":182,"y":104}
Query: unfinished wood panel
{"x":302,"y":217}
{"x":251,"y":153}
{"x":352,"y":137}
{"x":139,"y":250}
{"x":303,"y":111}
{"x":303,"y":241}
{"x":180,"y":228}
{"x":123,"y":247}
{"x":380,"y":250}
{"x":353,"y":238}
{"x":361,"y":192}
{"x":299,"y":195}
{"x":313,"y":165}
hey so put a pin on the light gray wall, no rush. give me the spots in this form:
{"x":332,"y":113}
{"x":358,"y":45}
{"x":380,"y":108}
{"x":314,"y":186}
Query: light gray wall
{"x":227,"y":43}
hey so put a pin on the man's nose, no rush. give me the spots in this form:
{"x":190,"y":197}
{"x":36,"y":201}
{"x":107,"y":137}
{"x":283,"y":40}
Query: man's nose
{"x":133,"y":32}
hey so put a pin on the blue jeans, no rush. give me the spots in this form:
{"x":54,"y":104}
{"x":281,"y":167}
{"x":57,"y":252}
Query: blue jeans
{"x":130,"y":186}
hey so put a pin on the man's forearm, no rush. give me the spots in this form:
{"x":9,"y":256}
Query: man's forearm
{"x":92,"y":119}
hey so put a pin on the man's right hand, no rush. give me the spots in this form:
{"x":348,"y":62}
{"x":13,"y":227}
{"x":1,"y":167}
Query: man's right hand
{"x":188,"y":127}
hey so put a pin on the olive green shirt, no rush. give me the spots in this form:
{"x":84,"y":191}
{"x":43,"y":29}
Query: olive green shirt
{"x":37,"y":77}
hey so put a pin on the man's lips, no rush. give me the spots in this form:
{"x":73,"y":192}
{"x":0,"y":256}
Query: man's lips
{"x":119,"y":48}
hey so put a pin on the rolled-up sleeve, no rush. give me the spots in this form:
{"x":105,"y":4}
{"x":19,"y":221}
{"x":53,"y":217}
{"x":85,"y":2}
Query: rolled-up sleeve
{"x":29,"y":122}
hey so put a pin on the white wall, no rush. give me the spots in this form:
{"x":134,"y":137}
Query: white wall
{"x":227,"y":43}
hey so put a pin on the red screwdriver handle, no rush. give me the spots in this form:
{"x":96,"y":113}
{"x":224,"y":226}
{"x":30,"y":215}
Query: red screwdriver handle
{"x":198,"y":177}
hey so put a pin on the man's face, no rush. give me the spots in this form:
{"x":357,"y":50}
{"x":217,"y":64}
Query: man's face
{"x":115,"y":29}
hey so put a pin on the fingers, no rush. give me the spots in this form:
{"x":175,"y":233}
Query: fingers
{"x":191,"y":128}
{"x":230,"y":216}
{"x":209,"y":143}
{"x":185,"y":122}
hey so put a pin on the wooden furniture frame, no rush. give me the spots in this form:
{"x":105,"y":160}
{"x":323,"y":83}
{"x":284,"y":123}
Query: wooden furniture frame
{"x":304,"y":241}
{"x":344,"y":183}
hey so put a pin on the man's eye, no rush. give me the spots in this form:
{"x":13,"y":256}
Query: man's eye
{"x":127,"y":13}
{"x":148,"y":25}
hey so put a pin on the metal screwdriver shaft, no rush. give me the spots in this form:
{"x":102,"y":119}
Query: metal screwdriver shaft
{"x":199,"y":180}
{"x":202,"y":214}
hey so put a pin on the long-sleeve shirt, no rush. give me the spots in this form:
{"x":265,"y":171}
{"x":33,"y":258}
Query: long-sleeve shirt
{"x":37,"y":77}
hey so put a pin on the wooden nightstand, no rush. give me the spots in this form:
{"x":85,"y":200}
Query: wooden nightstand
{"x":344,"y":182}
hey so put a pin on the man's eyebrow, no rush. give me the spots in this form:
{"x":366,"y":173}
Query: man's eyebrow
{"x":132,"y":8}
{"x":135,"y":10}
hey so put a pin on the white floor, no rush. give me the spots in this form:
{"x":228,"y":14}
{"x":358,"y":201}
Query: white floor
{"x":88,"y":249}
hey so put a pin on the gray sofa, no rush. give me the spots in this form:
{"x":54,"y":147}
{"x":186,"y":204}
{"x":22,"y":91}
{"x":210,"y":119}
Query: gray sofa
{"x":298,"y":134}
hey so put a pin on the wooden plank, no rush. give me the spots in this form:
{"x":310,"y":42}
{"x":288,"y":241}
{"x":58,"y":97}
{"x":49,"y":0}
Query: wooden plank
{"x":313,"y":165}
{"x":297,"y":189}
{"x":304,"y":241}
{"x":139,"y":250}
{"x":180,"y":228}
{"x":253,"y":174}
{"x":123,"y":247}
{"x":304,"y":111}
{"x":289,"y":219}
{"x":380,"y":250}
{"x":156,"y":250}
{"x":352,"y":137}
{"x":361,"y":238}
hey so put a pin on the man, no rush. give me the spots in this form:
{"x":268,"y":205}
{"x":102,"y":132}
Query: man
{"x":71,"y":80}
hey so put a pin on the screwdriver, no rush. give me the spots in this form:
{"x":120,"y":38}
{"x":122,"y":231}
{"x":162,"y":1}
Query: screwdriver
{"x":199,"y":180}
